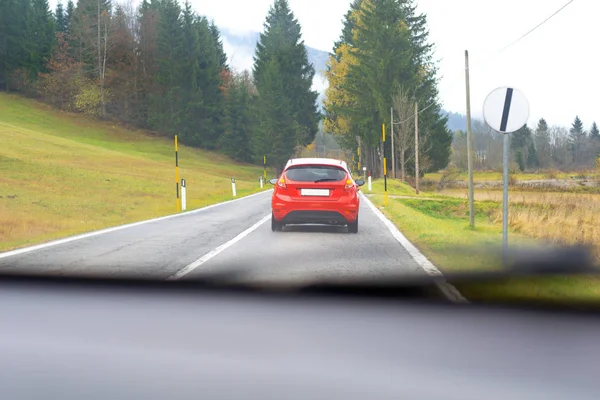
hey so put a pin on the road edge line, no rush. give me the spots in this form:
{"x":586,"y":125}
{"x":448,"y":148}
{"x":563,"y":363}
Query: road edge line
{"x":86,"y":235}
{"x":447,"y":289}
{"x":216,"y":251}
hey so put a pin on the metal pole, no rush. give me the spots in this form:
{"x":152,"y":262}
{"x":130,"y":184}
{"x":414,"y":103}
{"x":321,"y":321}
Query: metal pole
{"x":505,"y":199}
{"x":469,"y":144}
{"x":385,"y":193}
{"x":417,"y":146}
{"x":393,"y":148}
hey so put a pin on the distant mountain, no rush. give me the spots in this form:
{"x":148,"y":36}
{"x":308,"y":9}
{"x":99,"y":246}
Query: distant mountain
{"x":456,"y":121}
{"x":240,"y":48}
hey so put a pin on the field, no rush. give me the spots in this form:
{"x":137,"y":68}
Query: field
{"x":438,"y":224}
{"x":480,"y":176}
{"x":63,"y":174}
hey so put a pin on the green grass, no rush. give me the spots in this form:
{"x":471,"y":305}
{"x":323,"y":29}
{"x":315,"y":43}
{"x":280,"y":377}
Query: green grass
{"x":439,"y":226}
{"x":64,"y":174}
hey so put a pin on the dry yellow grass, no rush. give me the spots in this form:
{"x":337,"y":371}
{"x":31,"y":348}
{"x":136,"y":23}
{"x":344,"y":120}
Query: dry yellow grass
{"x":63,"y":174}
{"x":566,"y":218}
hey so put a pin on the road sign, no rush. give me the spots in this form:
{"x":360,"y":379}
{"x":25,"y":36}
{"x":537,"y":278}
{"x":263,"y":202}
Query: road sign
{"x":506,"y":110}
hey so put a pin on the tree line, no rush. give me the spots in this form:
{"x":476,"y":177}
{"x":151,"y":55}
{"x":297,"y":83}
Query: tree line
{"x":379,"y":68}
{"x":161,"y":66}
{"x":543,"y":147}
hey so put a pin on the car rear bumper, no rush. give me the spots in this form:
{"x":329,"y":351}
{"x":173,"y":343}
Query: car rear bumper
{"x":338,"y":212}
{"x":314,"y":217}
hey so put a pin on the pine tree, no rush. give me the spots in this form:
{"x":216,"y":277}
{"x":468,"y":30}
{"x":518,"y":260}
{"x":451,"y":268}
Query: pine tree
{"x":221,"y":56}
{"x":521,"y":144}
{"x":60,"y":18}
{"x":13,"y":24}
{"x":69,"y":16}
{"x":166,"y":105}
{"x":387,"y":43}
{"x":542,"y":143}
{"x":275,"y":134}
{"x":236,"y":142}
{"x":577,"y":138}
{"x":594,"y":132}
{"x":283,"y":75}
{"x":39,"y":37}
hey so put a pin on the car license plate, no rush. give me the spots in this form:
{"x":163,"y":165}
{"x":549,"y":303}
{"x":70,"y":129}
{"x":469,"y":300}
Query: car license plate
{"x":314,"y":192}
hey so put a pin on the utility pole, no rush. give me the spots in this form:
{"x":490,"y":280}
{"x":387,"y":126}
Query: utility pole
{"x":469,"y":143}
{"x":393,"y":148}
{"x":417,"y":146}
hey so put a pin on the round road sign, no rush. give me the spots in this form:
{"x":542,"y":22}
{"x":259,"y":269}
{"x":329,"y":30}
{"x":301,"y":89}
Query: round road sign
{"x":506,"y":110}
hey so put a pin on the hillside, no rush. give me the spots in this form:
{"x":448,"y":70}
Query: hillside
{"x":63,"y":174}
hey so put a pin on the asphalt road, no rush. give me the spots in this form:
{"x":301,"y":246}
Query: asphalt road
{"x":231,"y":237}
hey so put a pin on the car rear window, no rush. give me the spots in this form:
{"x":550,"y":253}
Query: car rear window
{"x":312,"y":173}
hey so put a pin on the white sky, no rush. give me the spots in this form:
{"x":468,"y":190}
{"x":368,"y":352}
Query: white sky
{"x":556,"y":66}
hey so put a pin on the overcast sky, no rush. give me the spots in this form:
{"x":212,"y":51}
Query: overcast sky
{"x":556,"y":67}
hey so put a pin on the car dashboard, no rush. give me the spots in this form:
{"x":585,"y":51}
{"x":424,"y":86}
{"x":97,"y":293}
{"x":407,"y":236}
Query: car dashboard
{"x":102,"y":339}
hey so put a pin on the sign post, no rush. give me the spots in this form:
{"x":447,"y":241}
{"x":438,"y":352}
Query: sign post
{"x":177,"y":174}
{"x":183,"y":189}
{"x":505,"y":110}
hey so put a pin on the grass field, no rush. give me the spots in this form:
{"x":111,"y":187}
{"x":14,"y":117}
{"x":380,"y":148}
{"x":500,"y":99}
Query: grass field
{"x":438,"y":225}
{"x":483,"y":176}
{"x":63,"y":174}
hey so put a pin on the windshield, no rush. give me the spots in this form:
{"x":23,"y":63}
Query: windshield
{"x":315,"y":173}
{"x":150,"y":139}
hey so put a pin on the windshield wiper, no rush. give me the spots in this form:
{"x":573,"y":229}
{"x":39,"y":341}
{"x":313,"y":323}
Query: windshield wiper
{"x":326,"y":180}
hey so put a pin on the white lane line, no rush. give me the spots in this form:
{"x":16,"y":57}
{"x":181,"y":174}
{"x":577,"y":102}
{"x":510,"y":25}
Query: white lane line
{"x":189,"y":268}
{"x":117,"y":228}
{"x":449,"y":290}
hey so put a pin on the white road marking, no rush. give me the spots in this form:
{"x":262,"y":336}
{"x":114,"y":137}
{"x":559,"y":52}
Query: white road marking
{"x":189,"y":268}
{"x":449,"y":291}
{"x":117,"y":228}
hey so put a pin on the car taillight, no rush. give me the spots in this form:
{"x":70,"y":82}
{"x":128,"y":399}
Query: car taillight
{"x":281,"y":183}
{"x":349,"y":184}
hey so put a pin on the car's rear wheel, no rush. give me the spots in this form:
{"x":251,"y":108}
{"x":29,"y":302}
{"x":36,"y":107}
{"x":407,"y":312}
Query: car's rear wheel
{"x":353,"y":226}
{"x":276,"y":226}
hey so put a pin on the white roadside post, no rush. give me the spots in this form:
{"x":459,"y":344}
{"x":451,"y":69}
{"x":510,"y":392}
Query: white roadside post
{"x":261,"y":182}
{"x":183,"y":189}
{"x":233,"y":187}
{"x":369,"y":183}
{"x":365,"y":173}
{"x":505,"y":110}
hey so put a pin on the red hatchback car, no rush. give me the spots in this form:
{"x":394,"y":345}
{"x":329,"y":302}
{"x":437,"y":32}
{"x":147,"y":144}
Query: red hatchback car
{"x":315,"y":191}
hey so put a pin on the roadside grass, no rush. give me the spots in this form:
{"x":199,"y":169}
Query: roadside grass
{"x":439,"y":226}
{"x":64,"y":174}
{"x":558,"y":218}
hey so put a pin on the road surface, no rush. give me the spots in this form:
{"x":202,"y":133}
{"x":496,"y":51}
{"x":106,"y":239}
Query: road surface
{"x":230,"y":237}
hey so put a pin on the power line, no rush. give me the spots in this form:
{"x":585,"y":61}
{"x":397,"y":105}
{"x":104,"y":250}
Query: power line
{"x":504,"y":48}
{"x":537,"y":26}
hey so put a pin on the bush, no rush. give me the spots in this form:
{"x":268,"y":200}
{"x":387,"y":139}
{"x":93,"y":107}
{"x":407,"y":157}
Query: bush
{"x":449,"y":177}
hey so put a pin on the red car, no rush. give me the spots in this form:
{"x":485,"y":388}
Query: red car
{"x":315,"y":191}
